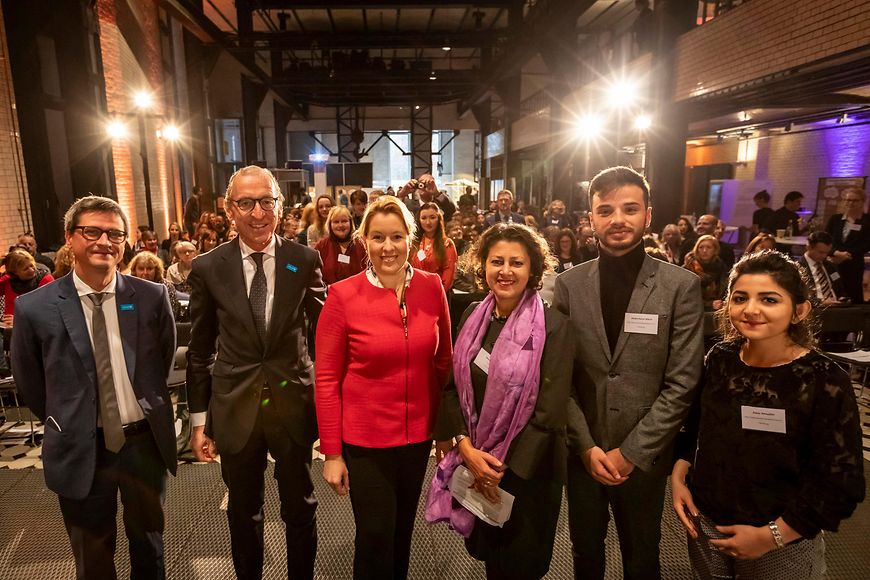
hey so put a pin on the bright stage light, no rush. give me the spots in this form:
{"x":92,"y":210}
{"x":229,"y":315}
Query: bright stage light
{"x":622,"y":94}
{"x":116,"y":129}
{"x":143,"y":99}
{"x":170,"y":133}
{"x":642,"y":122}
{"x":588,"y":126}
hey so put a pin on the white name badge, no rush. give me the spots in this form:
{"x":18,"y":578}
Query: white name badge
{"x":855,"y":227}
{"x":482,"y":360}
{"x":343,"y":259}
{"x":421,"y":255}
{"x":763,"y":419}
{"x":641,"y":323}
{"x":835,"y":276}
{"x":568,"y":265}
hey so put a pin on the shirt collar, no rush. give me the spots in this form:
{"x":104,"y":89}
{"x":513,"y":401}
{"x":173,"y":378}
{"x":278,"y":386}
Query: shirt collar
{"x":269,"y":250}
{"x":812,"y":263}
{"x":373,"y":279}
{"x":83,"y":289}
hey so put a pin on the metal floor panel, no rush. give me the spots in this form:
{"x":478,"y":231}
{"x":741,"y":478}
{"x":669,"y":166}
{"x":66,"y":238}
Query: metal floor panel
{"x":33,"y":543}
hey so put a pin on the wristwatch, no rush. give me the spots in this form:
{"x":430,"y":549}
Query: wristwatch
{"x":777,"y":536}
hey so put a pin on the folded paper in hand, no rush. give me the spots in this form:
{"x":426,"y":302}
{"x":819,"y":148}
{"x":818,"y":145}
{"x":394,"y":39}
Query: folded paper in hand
{"x":495,"y":514}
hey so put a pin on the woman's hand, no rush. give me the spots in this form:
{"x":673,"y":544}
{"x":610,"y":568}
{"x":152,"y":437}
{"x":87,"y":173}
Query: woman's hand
{"x":490,"y":492}
{"x":746,"y":542}
{"x":335,"y":474}
{"x":486,"y":469}
{"x":683,"y":504}
{"x":442,"y":448}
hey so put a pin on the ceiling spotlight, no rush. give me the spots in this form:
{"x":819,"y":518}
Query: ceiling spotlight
{"x":446,"y":48}
{"x":621,"y":94}
{"x":588,"y":126}
{"x":643,"y":122}
{"x":416,"y":107}
{"x":116,"y":129}
{"x":844,"y":118}
{"x":744,"y":116}
{"x":170,"y":133}
{"x":432,"y":76}
{"x":143,"y":99}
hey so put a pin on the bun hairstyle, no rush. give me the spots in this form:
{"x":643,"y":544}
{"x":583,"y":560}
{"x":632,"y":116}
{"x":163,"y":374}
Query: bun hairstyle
{"x":787,"y":274}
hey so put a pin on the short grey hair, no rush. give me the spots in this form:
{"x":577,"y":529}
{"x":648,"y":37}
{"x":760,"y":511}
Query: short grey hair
{"x":93,"y":203}
{"x":253,"y":171}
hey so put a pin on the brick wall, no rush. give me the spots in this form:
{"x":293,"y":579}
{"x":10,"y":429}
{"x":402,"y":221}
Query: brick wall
{"x":766,"y":36}
{"x":14,"y":203}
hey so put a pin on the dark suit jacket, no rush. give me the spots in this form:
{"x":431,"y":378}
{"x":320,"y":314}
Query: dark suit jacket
{"x":228,"y":365}
{"x":831,"y":269}
{"x":856,"y":243}
{"x":726,"y":254}
{"x":494,"y":218}
{"x":539,"y":450}
{"x":56,"y":374}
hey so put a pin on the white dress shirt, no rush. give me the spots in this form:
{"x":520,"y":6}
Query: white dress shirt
{"x":128,"y":406}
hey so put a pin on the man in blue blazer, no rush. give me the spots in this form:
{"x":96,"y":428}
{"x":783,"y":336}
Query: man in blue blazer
{"x":91,"y":353}
{"x":504,"y":210}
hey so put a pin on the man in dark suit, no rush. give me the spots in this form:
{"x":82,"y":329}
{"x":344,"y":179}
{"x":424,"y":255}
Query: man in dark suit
{"x":638,"y":329}
{"x":827,"y":283}
{"x":850,"y":232}
{"x":91,"y":353}
{"x":256,"y":396}
{"x":504,"y":210}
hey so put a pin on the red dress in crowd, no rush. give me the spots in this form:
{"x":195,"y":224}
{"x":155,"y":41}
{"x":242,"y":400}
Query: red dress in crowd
{"x":426,"y":259}
{"x":338,"y":265}
{"x":9,"y":293}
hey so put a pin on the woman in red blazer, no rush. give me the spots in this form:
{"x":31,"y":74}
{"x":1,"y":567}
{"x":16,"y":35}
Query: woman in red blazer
{"x":383,"y":355}
{"x":342,"y":254}
{"x":433,"y":251}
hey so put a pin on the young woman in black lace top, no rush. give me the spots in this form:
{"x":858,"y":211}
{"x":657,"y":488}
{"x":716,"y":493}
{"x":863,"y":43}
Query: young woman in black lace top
{"x":771,"y":453}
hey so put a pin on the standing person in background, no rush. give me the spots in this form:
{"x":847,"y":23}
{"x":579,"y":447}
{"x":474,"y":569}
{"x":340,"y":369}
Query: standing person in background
{"x":638,"y":327}
{"x":567,"y":252}
{"x":342,"y":198}
{"x":383,"y":356}
{"x":555,"y":215}
{"x":507,"y":415}
{"x":773,"y":439}
{"x":433,"y":251}
{"x":358,"y":202}
{"x":342,"y":254}
{"x":317,"y":228}
{"x":762,"y":214}
{"x":427,"y":191}
{"x":409,"y":198}
{"x":91,"y":356}
{"x":192,"y":211}
{"x":850,"y":231}
{"x":504,"y":210}
{"x":254,"y":396}
{"x":786,"y":217}
{"x":587,"y":243}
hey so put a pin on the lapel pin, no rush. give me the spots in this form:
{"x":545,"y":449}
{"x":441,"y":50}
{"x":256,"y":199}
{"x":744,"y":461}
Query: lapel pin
{"x":127,"y":307}
{"x":292,"y":267}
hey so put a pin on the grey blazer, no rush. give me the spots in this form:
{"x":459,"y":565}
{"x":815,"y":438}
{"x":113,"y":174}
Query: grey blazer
{"x":637,"y":398}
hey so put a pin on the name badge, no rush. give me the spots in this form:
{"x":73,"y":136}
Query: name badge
{"x":343,"y":259}
{"x":421,"y":255}
{"x":855,"y":227}
{"x":568,"y":265}
{"x":763,"y":419}
{"x":641,"y":323}
{"x":127,"y":307}
{"x":482,"y":360}
{"x":835,"y":276}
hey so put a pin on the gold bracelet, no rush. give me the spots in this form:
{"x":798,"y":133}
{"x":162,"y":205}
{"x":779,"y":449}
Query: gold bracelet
{"x":777,"y":536}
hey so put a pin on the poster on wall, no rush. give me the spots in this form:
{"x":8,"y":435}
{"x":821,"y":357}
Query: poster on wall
{"x":829,"y":193}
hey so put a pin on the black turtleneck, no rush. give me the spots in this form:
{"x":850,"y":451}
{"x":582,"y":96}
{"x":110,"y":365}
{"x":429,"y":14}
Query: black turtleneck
{"x":617,"y":276}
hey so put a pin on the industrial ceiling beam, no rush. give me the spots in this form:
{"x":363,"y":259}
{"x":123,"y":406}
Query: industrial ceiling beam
{"x":375,"y":39}
{"x":376,"y":4}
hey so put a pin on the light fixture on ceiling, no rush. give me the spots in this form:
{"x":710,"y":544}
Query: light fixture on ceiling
{"x":844,"y":118}
{"x":446,"y":48}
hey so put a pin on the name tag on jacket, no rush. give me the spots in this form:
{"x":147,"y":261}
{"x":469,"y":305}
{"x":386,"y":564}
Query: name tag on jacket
{"x":343,"y":259}
{"x":763,"y":419}
{"x":482,"y":360}
{"x":641,"y":323}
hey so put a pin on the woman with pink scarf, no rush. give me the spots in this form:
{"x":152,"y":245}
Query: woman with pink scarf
{"x":507,"y":406}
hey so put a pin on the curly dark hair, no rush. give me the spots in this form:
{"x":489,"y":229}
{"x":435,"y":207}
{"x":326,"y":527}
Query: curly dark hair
{"x":473,"y":260}
{"x":787,"y":274}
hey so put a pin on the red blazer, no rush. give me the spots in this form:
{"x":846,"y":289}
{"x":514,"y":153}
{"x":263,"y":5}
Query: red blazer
{"x":333,"y":270}
{"x":375,"y":384}
{"x":429,"y":263}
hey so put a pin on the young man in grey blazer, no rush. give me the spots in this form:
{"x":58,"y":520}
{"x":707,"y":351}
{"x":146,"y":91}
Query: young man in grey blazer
{"x":639,"y":324}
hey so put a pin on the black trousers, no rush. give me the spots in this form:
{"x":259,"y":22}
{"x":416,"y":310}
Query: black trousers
{"x":138,"y":471}
{"x":852,"y":276}
{"x":385,"y":488}
{"x":637,"y":511}
{"x":244,"y":475}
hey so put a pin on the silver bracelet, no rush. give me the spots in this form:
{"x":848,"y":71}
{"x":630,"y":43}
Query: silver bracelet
{"x":777,"y":536}
{"x":459,"y":439}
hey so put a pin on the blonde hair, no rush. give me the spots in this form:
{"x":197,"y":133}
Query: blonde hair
{"x":388,"y":204}
{"x":147,"y":259}
{"x":335,"y":212}
{"x":64,"y":261}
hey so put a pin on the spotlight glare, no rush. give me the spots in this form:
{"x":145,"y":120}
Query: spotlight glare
{"x":622,"y":94}
{"x":171,"y":133}
{"x":588,"y":126}
{"x":642,"y":123}
{"x":446,"y":48}
{"x":143,"y":99}
{"x":116,"y":129}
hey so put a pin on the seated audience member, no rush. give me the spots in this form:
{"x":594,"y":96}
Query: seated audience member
{"x":704,"y":261}
{"x":358,"y":202}
{"x":218,"y":223}
{"x":147,"y":266}
{"x":504,"y":213}
{"x":433,"y":251}
{"x":467,"y":201}
{"x":289,"y":225}
{"x":232,"y":232}
{"x":850,"y":233}
{"x":761,"y":242}
{"x":317,"y":228}
{"x":531,"y":222}
{"x":374,"y":194}
{"x":761,"y":492}
{"x":656,"y":253}
{"x":64,"y":262}
{"x":178,"y":272}
{"x":670,"y":244}
{"x":762,"y":214}
{"x":207,"y":241}
{"x":555,"y":215}
{"x":587,"y":244}
{"x":827,"y":286}
{"x":176,"y":234}
{"x":150,"y":244}
{"x":687,"y":232}
{"x":343,"y":255}
{"x":707,"y":226}
{"x":567,"y":254}
{"x":28,"y":242}
{"x":508,"y":420}
{"x":306,"y":220}
{"x":23,"y":274}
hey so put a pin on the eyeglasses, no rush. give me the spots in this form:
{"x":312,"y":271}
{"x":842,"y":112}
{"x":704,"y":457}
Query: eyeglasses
{"x":853,"y":200}
{"x":246,"y":205}
{"x":93,"y":233}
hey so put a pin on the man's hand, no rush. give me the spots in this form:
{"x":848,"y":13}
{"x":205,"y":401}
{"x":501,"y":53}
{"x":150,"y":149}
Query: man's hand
{"x":202,"y":446}
{"x":600,"y":466}
{"x":623,"y":465}
{"x":408,"y":189}
{"x":840,"y":256}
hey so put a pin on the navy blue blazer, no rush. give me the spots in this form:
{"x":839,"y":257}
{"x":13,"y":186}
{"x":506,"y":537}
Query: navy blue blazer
{"x":55,"y":373}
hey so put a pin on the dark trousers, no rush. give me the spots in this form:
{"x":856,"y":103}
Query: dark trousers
{"x":139,"y":473}
{"x":852,"y":276}
{"x":244,"y":475}
{"x":637,"y":511}
{"x":385,"y":488}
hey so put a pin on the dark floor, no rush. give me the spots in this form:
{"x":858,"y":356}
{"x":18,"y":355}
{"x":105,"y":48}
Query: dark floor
{"x":33,"y":544}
